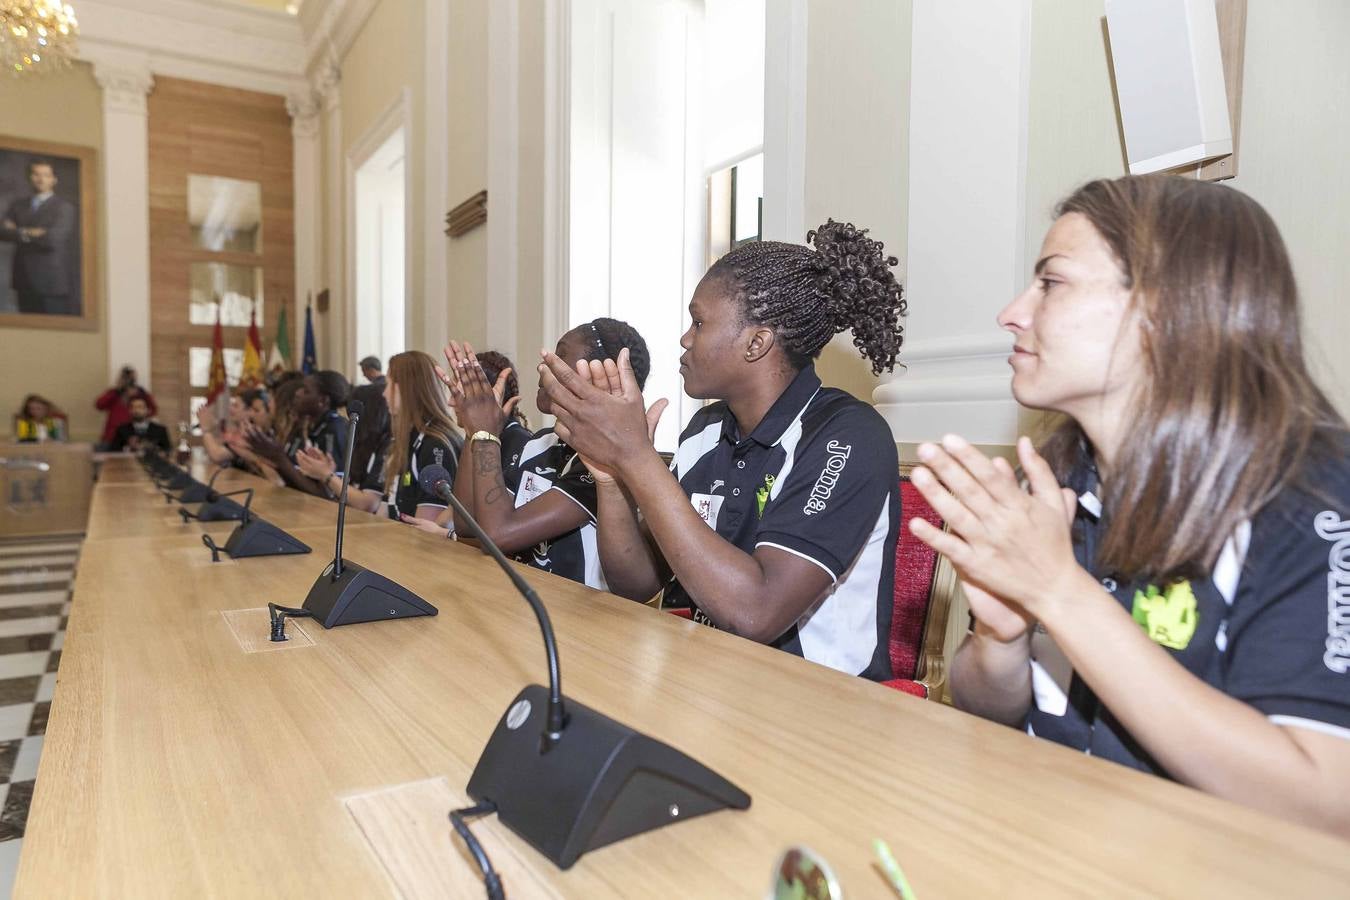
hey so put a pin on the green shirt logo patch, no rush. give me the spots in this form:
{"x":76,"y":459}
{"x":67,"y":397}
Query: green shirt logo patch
{"x":762,"y":494}
{"x":1168,"y":617}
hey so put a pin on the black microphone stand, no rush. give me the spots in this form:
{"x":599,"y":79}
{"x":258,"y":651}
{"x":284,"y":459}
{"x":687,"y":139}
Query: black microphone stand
{"x":586,"y":780}
{"x":556,"y":719}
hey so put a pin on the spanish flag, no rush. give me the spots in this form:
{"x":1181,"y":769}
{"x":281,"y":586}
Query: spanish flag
{"x":252,"y":374}
{"x":215,"y":386}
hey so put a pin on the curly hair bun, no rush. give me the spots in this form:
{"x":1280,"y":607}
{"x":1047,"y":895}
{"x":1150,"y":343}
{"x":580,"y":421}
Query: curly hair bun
{"x":856,"y":283}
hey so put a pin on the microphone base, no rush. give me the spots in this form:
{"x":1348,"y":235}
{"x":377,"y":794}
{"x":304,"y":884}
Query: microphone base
{"x":222,"y":509}
{"x":261,"y":538}
{"x":178,"y":481}
{"x":600,"y":783}
{"x":194,"y":493}
{"x":360,"y":595}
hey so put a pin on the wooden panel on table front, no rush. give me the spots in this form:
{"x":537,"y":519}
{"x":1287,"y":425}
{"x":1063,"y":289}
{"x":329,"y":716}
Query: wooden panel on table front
{"x":177,"y":765}
{"x":202,"y":129}
{"x":52,"y":502}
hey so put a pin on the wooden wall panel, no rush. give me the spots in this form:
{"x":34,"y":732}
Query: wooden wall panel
{"x":202,"y":129}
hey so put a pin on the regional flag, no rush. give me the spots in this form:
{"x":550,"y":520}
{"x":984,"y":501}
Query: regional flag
{"x":280,"y":358}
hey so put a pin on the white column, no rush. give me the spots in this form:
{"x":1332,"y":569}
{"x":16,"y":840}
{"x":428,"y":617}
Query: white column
{"x":126,"y":215}
{"x":503,"y":175}
{"x":306,"y":154}
{"x":430,"y":334}
{"x":967,"y":168}
{"x":785,"y":31}
{"x":335,"y":344}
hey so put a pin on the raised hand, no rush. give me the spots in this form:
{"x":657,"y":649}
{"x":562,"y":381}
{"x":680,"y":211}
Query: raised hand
{"x":206,"y":417}
{"x":1010,"y":547}
{"x":316,"y":464}
{"x":600,"y":411}
{"x":478,"y":406}
{"x":263,"y":444}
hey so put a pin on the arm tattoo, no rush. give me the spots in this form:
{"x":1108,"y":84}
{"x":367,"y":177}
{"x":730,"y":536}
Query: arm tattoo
{"x":487,"y":462}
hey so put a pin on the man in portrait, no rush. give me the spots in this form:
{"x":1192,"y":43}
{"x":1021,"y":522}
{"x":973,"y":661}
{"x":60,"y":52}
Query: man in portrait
{"x":41,"y":226}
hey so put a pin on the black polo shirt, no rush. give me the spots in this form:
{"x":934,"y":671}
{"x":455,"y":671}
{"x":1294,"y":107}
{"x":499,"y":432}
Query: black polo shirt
{"x":423,"y":450}
{"x":328,"y":434}
{"x":534,"y":463}
{"x":818,"y":478}
{"x":1270,"y":626}
{"x":372,"y":476}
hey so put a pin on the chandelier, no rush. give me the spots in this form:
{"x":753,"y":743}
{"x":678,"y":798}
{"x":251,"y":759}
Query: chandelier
{"x":36,"y":35}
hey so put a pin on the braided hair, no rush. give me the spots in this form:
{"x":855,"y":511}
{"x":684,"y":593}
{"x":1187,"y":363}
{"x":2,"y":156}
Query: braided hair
{"x":604,"y":338}
{"x":808,"y":296}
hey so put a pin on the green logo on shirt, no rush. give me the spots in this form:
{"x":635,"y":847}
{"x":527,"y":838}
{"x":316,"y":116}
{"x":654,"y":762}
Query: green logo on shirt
{"x":762,"y":494}
{"x":1168,"y":617}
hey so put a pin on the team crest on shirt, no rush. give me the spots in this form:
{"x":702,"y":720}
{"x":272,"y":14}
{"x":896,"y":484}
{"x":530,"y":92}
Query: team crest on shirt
{"x":708,"y":506}
{"x":438,"y":453}
{"x":1168,"y":617}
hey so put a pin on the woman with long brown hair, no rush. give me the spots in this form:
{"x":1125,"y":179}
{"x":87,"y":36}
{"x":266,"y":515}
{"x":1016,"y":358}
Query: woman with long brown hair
{"x":1172,"y":592}
{"x":424,"y":434}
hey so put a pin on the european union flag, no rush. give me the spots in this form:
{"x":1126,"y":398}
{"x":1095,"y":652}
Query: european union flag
{"x":309,"y":364}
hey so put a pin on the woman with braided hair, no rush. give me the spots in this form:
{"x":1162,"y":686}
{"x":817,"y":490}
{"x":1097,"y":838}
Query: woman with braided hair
{"x":528,"y":490}
{"x":779,"y":518}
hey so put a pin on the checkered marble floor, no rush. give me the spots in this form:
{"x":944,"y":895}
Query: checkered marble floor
{"x":35,"y":584}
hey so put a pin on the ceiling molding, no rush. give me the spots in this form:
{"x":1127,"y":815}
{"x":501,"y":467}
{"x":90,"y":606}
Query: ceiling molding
{"x":233,"y":46}
{"x":331,"y":26}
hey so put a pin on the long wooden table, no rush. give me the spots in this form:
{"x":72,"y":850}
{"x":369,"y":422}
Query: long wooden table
{"x":176,"y":764}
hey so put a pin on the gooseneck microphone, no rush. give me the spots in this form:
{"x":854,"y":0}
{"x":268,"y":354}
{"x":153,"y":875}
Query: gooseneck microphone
{"x":346,"y":593}
{"x":570,"y":780}
{"x":354,"y":410}
{"x":436,"y":480}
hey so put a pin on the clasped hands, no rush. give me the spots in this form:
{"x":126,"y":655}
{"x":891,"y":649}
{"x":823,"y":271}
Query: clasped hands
{"x":600,"y":412}
{"x":1011,"y":547}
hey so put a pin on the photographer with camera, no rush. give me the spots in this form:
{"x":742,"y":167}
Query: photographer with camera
{"x":116,"y":402}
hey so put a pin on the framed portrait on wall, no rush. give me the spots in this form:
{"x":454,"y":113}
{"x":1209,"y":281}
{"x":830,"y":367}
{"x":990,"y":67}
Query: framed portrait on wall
{"x":48,"y":237}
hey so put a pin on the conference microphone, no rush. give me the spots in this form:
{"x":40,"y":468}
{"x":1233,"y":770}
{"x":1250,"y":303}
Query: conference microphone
{"x":195,"y":492}
{"x":569,"y":779}
{"x":253,"y":536}
{"x":217,"y":507}
{"x":346,"y":593}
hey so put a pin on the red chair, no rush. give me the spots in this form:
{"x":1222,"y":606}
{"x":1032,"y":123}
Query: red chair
{"x":924,"y":584}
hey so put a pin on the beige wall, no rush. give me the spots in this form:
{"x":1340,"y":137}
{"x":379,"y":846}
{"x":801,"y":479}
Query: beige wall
{"x":1292,"y":144}
{"x":1293,"y":147}
{"x":69,"y":367}
{"x":530,"y":324}
{"x":468,"y":118}
{"x":857,"y":140}
{"x":373,"y":78}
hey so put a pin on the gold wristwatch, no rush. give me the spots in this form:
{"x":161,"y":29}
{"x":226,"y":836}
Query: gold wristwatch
{"x":485,"y":436}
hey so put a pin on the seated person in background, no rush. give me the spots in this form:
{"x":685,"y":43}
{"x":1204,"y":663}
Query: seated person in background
{"x":529,"y":491}
{"x":317,"y":400}
{"x":257,"y":404}
{"x":40,"y":420}
{"x":215,"y":433}
{"x":116,"y":401}
{"x":494,"y":364}
{"x":140,"y":433}
{"x":270,"y":412}
{"x":365,"y":489}
{"x":779,"y":517}
{"x":1170,"y":593}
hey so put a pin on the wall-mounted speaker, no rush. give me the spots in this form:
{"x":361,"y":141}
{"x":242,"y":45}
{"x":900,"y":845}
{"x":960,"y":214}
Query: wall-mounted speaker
{"x":1169,"y":82}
